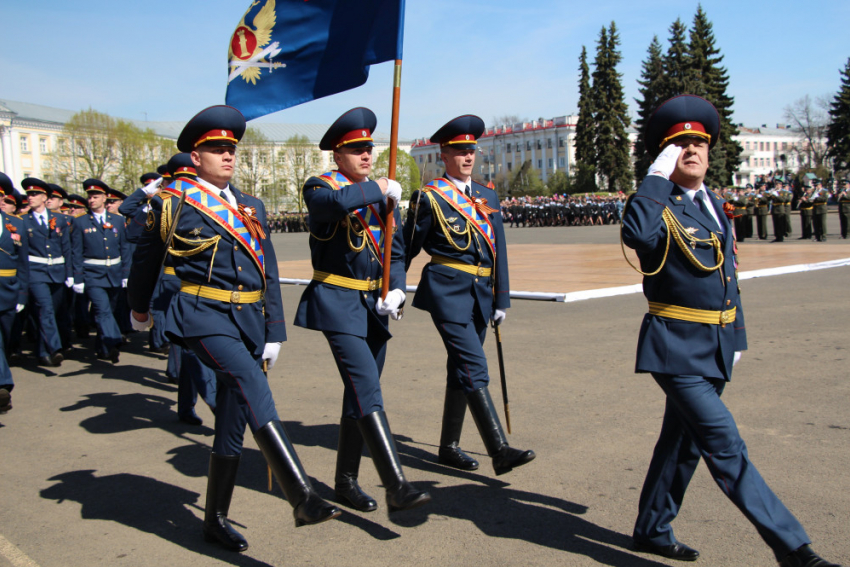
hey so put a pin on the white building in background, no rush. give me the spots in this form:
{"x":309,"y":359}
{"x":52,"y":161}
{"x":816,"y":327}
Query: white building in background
{"x":29,"y":132}
{"x":550,"y":147}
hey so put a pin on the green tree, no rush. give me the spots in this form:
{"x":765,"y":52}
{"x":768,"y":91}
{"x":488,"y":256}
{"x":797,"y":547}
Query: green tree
{"x":652,"y":75}
{"x":675,"y":63}
{"x":255,"y":166}
{"x":585,"y":145}
{"x":526,"y":181}
{"x":559,"y":183}
{"x":406,"y":171}
{"x":838,"y":131}
{"x":613,"y":163}
{"x":706,"y":77}
{"x":137,"y":151}
{"x":297,"y":160}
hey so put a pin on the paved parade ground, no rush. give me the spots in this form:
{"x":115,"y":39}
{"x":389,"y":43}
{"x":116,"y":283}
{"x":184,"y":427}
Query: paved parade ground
{"x":97,"y":470}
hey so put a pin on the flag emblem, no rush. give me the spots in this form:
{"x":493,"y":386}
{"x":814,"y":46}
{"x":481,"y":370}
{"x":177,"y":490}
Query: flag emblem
{"x":251,"y":48}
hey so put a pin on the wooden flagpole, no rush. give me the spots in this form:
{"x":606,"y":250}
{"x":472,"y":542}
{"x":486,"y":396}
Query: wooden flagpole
{"x":388,"y":223}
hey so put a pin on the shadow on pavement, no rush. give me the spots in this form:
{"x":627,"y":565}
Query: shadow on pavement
{"x":144,"y":504}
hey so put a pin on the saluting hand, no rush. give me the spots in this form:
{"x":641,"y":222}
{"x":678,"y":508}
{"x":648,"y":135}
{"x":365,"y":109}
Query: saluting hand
{"x":665,"y":163}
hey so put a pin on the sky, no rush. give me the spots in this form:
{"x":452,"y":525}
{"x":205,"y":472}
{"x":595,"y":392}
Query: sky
{"x":164,"y":60}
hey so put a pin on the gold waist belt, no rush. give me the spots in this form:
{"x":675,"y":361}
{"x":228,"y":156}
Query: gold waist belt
{"x":349,"y":283}
{"x":169,"y":271}
{"x":468,"y":268}
{"x":8,"y":273}
{"x":741,"y":208}
{"x":220,"y":294}
{"x":693,"y":315}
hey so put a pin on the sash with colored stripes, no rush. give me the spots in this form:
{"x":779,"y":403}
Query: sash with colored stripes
{"x":466,"y":207}
{"x":368,"y":215}
{"x":220,"y":211}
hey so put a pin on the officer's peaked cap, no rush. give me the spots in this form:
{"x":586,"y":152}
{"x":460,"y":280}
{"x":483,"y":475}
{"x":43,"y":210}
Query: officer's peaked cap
{"x":461,"y":132}
{"x":353,"y":130}
{"x":683,"y":115}
{"x":219,"y":125}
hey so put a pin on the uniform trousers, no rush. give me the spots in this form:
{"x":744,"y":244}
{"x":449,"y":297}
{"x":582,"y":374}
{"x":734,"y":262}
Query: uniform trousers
{"x":243,"y":395}
{"x":166,"y":287}
{"x":698,"y":424}
{"x":47,"y":298}
{"x":104,"y":301}
{"x":360,"y":362}
{"x":6,"y":381}
{"x":466,"y":366}
{"x":193,"y":378}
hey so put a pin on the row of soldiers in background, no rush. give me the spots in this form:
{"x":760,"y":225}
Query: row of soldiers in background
{"x":776,"y":201}
{"x":563,"y":210}
{"x":62,"y":247}
{"x":287,"y":222}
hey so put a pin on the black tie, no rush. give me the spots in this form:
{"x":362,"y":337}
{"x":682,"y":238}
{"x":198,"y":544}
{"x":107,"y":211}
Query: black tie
{"x":468,"y":192}
{"x":699,"y":197}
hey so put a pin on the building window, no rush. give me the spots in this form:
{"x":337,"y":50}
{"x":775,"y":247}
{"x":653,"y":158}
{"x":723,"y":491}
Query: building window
{"x":549,"y":143}
{"x":784,"y":146}
{"x":561,"y":143}
{"x":509,"y":147}
{"x":528,"y":146}
{"x":761,"y":146}
{"x":561,"y":162}
{"x":540,"y":164}
{"x":775,"y":146}
{"x":746,"y":145}
{"x":25,"y":144}
{"x":539,"y":145}
{"x":551,"y":163}
{"x":429,"y":158}
{"x":510,"y":166}
{"x":42,"y":145}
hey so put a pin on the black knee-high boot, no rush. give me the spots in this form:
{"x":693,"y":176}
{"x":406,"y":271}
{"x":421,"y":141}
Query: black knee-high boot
{"x":505,"y":457}
{"x":220,"y":483}
{"x":308,"y":507}
{"x":349,"y":450}
{"x":450,"y":454}
{"x":401,"y":495}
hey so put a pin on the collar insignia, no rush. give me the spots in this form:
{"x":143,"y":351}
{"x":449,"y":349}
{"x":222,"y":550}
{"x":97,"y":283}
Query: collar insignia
{"x":691,"y":230}
{"x":196,"y":231}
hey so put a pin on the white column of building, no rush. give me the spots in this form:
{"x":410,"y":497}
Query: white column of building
{"x":6,"y":141}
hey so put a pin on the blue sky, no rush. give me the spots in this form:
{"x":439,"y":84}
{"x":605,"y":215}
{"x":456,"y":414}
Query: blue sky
{"x":165,"y":60}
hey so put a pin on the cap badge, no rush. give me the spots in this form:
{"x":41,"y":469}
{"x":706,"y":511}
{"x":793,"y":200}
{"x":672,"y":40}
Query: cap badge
{"x":687,"y":125}
{"x":467,"y":136}
{"x":363,"y":133}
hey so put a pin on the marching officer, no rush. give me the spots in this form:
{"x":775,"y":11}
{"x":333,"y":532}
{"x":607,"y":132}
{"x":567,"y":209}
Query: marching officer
{"x":806,"y":208}
{"x":228,"y":311}
{"x":762,"y":198}
{"x":347,"y":212}
{"x":50,"y":273}
{"x":14,"y":272}
{"x":101,"y":266}
{"x":844,"y":206}
{"x":56,"y":204}
{"x":777,"y":211}
{"x":464,"y":286}
{"x":692,"y":336}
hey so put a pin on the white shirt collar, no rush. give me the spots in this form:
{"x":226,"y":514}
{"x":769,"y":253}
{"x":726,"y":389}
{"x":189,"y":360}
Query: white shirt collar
{"x":227,"y":192}
{"x":460,"y":184}
{"x":692,"y":193}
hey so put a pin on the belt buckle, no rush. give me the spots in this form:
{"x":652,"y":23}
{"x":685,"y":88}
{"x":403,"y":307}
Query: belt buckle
{"x":235,"y":296}
{"x":481,"y":271}
{"x":726,"y":317}
{"x":372,"y":285}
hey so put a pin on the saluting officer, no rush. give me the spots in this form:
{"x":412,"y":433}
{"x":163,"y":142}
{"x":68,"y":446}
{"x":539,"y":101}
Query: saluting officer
{"x":228,"y":311}
{"x":464,"y":286}
{"x":343,"y":300}
{"x":692,"y":336}
{"x":50,"y":274}
{"x":14,"y":272}
{"x":101,"y":264}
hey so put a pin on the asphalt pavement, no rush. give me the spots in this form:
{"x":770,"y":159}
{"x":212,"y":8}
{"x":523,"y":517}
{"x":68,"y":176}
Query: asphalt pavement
{"x":95,"y":468}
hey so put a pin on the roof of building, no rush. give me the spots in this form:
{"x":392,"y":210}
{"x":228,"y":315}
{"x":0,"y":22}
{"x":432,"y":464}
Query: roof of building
{"x":275,"y":132}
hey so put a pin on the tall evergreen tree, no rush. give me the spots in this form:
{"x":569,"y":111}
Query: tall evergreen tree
{"x":675,"y":63}
{"x":650,"y":83}
{"x":705,"y":77}
{"x":585,"y":131}
{"x":838,"y":131}
{"x":613,"y":163}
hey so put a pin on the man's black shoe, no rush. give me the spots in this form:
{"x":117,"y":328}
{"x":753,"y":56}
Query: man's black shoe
{"x":191,"y":418}
{"x":56,"y":358}
{"x":5,"y":400}
{"x":113,"y":355}
{"x":452,"y":456}
{"x":678,"y":551}
{"x":805,"y":557}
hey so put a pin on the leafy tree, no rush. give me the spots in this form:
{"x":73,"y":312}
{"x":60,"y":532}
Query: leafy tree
{"x":255,"y":165}
{"x":526,"y":181}
{"x":559,"y":183}
{"x":810,"y":119}
{"x":406,"y":170}
{"x":585,"y":144}
{"x":297,"y":160}
{"x":611,"y":114}
{"x":652,"y":76}
{"x":137,"y":151}
{"x":838,"y":131}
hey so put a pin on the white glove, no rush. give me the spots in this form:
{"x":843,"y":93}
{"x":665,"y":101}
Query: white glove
{"x":69,"y":282}
{"x":390,"y":305}
{"x":665,"y":163}
{"x":124,"y":282}
{"x":393,"y":190}
{"x":152,"y":187}
{"x":737,"y":357}
{"x":270,"y":353}
{"x":499,"y":316}
{"x":141,"y":325}
{"x":79,"y":287}
{"x":19,"y":307}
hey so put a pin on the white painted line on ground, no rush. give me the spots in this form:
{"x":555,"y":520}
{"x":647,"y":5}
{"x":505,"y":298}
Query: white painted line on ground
{"x":585,"y":294}
{"x":14,"y":555}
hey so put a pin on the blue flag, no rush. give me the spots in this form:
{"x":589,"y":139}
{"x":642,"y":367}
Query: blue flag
{"x":287,"y":52}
